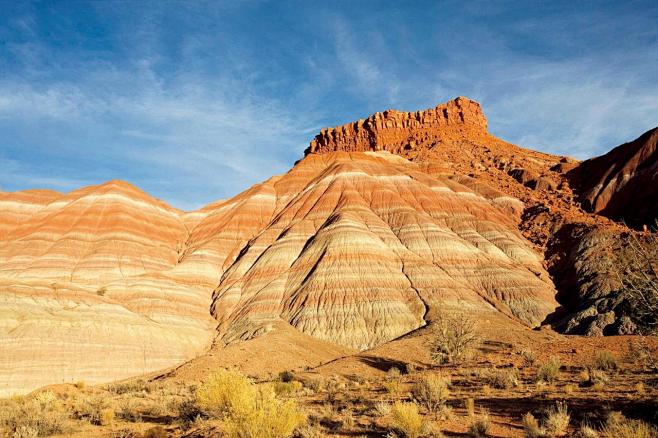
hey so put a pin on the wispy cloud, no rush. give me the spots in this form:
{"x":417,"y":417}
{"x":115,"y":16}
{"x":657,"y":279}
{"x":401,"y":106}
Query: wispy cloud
{"x":187,"y":101}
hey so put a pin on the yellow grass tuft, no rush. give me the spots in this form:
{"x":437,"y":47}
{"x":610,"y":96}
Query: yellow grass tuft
{"x":406,"y":420}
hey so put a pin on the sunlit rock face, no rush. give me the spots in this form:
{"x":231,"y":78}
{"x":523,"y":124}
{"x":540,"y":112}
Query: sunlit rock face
{"x":355,"y":245}
{"x":84,"y":289}
{"x":365,"y":247}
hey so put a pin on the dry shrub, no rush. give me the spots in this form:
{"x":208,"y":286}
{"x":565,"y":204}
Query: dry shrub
{"x":314,"y":384}
{"x":503,"y":378}
{"x":531,"y":426}
{"x":94,"y":409}
{"x":619,"y":426}
{"x":529,"y":357}
{"x":549,"y":371}
{"x":187,"y":410}
{"x":432,"y":391}
{"x":411,"y":368}
{"x":587,"y":431}
{"x":639,"y":388}
{"x":270,"y":418}
{"x":432,"y":430}
{"x":347,"y":420}
{"x":382,"y":408}
{"x":130,"y":387}
{"x":334,"y":387}
{"x":555,"y":424}
{"x":406,"y":420}
{"x":328,"y":412}
{"x":569,"y":388}
{"x":310,"y":431}
{"x":605,"y":361}
{"x":286,"y":376}
{"x":640,"y":353}
{"x":286,"y":388}
{"x":557,"y":421}
{"x":393,"y":373}
{"x":155,"y":432}
{"x":393,"y":386}
{"x":455,"y":337}
{"x":469,"y":405}
{"x":41,"y":415}
{"x":479,"y":426}
{"x":248,"y":411}
{"x":597,"y":379}
{"x":129,"y":410}
{"x":226,"y":392}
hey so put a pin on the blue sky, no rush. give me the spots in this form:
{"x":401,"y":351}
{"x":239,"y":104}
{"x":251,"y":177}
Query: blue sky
{"x":195,"y":101}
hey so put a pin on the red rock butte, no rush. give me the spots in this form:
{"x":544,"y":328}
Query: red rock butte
{"x":394,"y":131}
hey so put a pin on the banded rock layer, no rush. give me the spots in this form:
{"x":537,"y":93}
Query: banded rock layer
{"x":354,"y":245}
{"x":365,"y":247}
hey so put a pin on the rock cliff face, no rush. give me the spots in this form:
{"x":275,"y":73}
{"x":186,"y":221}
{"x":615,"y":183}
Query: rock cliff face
{"x":83,"y":294}
{"x":365,"y":247}
{"x":622,"y":184}
{"x":384,"y":224}
{"x":395,"y":131}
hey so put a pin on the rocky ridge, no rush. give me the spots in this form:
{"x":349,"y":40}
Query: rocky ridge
{"x":385,"y":223}
{"x":622,"y":183}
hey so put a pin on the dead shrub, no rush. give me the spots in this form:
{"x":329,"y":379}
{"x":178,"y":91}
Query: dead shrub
{"x":618,"y":426}
{"x":129,"y":410}
{"x":502,"y":378}
{"x":605,"y":361}
{"x":531,"y":426}
{"x":569,"y":388}
{"x":314,"y":384}
{"x":455,"y":337}
{"x":41,"y":415}
{"x":587,"y":431}
{"x":549,"y":371}
{"x":479,"y":426}
{"x":96,"y":410}
{"x":133,"y":386}
{"x":469,"y":405}
{"x":432,"y":391}
{"x":286,"y":388}
{"x":382,"y":408}
{"x":555,"y":424}
{"x":529,"y":357}
{"x":393,"y":386}
{"x":594,"y":378}
{"x":334,"y":387}
{"x":557,"y":421}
